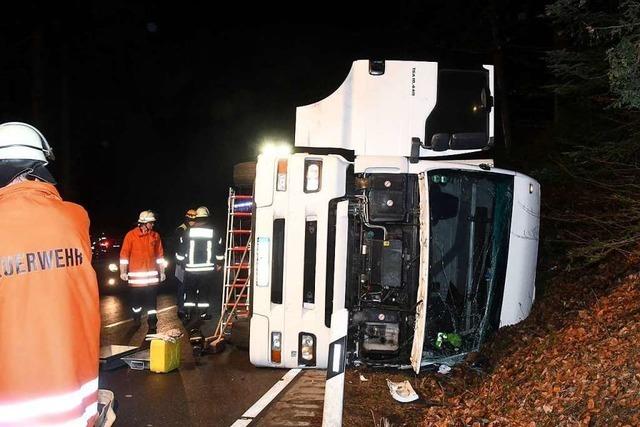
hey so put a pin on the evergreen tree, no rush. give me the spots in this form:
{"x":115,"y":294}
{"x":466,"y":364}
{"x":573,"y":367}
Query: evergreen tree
{"x":597,"y":70}
{"x":601,"y":56}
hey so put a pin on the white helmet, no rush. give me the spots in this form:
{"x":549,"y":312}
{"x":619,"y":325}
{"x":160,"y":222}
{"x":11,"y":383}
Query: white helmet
{"x":23,"y":149}
{"x":202,"y":212}
{"x":22,"y":141}
{"x":146,"y":216}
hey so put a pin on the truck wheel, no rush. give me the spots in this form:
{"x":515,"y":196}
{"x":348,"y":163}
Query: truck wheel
{"x":244,"y":173}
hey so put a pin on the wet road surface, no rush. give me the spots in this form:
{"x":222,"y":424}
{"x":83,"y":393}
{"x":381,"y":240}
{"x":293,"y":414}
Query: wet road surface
{"x":212,"y":391}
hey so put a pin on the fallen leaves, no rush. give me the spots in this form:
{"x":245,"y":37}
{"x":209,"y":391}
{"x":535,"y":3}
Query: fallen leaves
{"x":574,"y":361}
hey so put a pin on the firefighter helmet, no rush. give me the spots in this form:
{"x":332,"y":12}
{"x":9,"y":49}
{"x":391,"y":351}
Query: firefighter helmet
{"x":22,"y":141}
{"x":146,"y":217}
{"x":23,"y":149}
{"x":202,"y":212}
{"x":191,"y":214}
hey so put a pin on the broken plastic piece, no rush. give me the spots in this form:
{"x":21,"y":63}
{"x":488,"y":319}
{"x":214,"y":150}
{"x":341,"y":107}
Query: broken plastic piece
{"x":444,"y":369}
{"x":402,"y":392}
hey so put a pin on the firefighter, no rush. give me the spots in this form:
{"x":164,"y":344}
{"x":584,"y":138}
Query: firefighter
{"x":180,"y":236}
{"x":202,"y":250}
{"x":49,"y":309}
{"x":189,"y":218}
{"x":142,"y":265}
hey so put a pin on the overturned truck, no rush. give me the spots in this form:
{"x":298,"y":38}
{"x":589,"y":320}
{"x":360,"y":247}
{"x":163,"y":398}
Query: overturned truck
{"x":391,"y":224}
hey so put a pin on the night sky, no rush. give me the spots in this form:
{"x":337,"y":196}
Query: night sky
{"x":150,"y":106}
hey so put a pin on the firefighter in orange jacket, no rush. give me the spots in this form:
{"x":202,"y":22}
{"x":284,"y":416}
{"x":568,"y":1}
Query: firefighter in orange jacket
{"x":49,"y":310}
{"x":142,"y":265}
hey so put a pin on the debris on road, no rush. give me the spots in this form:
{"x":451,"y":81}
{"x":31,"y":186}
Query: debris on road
{"x":402,"y":391}
{"x":444,"y":369}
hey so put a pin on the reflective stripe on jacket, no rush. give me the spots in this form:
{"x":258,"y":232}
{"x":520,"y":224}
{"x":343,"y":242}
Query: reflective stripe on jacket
{"x":49,"y":311}
{"x":180,"y":235}
{"x":201,"y":248}
{"x":143,"y":254}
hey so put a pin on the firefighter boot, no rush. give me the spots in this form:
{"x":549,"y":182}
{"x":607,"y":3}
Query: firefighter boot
{"x":152,"y":321}
{"x":152,"y":328}
{"x":197,"y":342}
{"x":136,"y":319}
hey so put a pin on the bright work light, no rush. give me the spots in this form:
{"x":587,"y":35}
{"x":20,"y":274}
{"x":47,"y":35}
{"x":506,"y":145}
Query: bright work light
{"x":276,"y":149}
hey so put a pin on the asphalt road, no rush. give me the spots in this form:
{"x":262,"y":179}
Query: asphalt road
{"x":300,"y":405}
{"x":212,"y":391}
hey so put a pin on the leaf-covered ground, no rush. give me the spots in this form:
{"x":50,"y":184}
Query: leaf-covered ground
{"x":574,"y":361}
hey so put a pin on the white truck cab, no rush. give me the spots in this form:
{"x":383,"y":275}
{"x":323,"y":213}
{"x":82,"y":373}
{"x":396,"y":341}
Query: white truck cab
{"x":418,"y":256}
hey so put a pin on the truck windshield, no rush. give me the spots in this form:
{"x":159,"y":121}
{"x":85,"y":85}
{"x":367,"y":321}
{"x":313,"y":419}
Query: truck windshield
{"x":470,"y":218}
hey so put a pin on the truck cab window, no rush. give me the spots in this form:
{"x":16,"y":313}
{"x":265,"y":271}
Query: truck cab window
{"x":460,"y":119}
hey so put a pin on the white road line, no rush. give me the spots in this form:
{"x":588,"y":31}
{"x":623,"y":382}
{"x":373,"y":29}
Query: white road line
{"x":122,"y":322}
{"x":264,"y":401}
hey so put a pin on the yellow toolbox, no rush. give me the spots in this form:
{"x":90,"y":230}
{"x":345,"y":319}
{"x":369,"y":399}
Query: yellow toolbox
{"x":165,"y":356}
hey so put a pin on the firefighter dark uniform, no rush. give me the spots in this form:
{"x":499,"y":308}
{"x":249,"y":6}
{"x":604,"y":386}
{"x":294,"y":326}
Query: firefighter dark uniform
{"x":180,"y":235}
{"x":202,"y":251}
{"x":142,"y":264}
{"x":49,"y":309}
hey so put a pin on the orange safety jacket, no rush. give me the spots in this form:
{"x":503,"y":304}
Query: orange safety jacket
{"x":49,"y":310}
{"x":143,"y":254}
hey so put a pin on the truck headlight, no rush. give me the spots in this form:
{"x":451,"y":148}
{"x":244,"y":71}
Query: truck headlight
{"x":276,"y":347}
{"x":113,"y":267}
{"x":312,"y":175}
{"x":307,"y":347}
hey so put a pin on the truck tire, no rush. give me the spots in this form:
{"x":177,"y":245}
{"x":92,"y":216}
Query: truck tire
{"x":244,"y":174}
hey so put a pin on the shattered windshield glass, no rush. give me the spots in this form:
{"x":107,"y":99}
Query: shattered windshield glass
{"x":470,"y":217}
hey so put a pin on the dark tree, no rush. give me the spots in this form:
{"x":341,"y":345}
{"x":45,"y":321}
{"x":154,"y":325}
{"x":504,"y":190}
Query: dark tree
{"x":597,"y":70}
